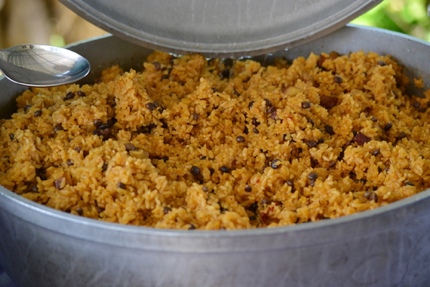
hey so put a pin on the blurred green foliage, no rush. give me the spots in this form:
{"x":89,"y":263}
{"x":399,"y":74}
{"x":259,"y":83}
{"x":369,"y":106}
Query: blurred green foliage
{"x":405,"y":16}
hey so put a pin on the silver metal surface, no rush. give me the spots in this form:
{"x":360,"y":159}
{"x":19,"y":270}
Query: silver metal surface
{"x":41,"y":65}
{"x":388,"y":246}
{"x":223,"y":27}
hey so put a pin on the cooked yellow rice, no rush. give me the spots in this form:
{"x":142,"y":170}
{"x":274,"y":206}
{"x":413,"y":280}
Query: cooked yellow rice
{"x":195,"y":144}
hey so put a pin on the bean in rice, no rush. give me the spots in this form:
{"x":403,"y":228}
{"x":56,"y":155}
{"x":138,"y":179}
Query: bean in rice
{"x":210,"y":144}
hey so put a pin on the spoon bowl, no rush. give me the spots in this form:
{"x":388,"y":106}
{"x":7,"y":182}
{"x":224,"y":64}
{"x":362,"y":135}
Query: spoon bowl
{"x":42,"y":65}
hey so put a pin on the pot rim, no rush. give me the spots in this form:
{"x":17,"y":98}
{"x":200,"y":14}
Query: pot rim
{"x":11,"y":201}
{"x":71,"y":218}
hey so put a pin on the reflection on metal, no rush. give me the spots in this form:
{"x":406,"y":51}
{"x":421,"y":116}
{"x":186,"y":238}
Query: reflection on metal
{"x":221,"y":28}
{"x":39,"y":65}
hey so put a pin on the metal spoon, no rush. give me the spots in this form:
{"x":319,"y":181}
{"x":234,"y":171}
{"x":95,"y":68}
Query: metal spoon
{"x":42,"y":65}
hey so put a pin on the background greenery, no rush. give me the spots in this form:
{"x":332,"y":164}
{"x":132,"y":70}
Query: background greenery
{"x":405,"y":16}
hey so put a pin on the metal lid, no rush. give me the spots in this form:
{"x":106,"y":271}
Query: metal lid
{"x":220,"y":27}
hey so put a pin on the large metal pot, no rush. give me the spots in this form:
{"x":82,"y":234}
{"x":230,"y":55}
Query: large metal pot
{"x":388,"y":246}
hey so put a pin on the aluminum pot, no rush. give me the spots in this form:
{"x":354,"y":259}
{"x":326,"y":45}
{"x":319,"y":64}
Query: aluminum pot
{"x":388,"y":246}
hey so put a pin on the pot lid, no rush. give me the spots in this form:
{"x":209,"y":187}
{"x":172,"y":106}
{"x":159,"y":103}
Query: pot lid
{"x":220,"y":28}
